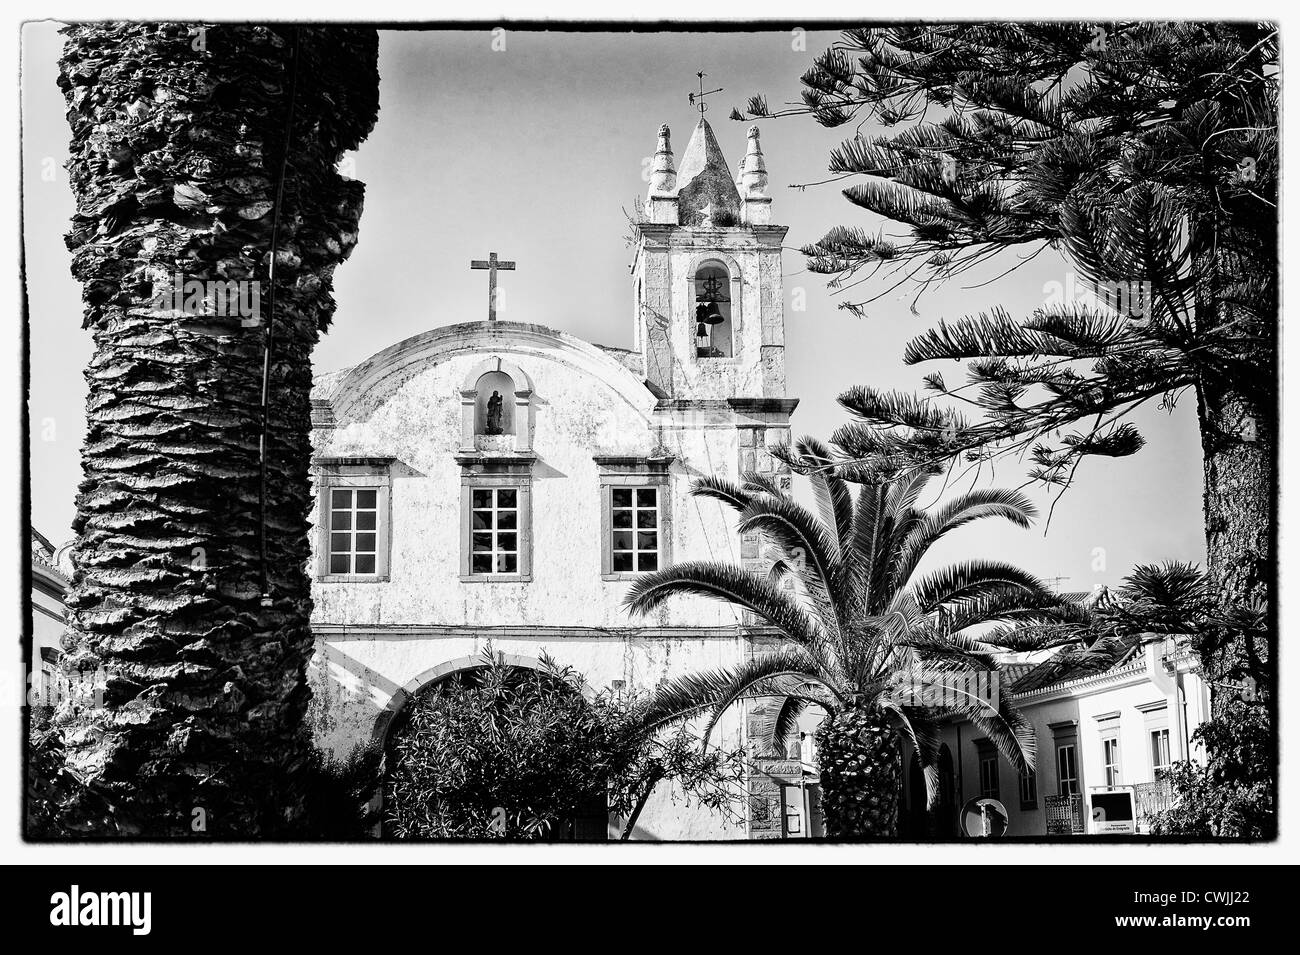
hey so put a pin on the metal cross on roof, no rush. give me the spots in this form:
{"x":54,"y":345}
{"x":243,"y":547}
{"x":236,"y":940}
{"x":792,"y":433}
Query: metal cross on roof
{"x":492,"y":264}
{"x":697,"y":99}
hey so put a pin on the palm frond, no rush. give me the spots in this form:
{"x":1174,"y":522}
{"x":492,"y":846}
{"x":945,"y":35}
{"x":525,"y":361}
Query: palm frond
{"x":1007,"y":729}
{"x":972,"y":580}
{"x":731,"y":584}
{"x":715,"y":691}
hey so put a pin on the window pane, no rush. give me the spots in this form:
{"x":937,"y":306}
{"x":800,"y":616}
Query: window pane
{"x":366,"y":498}
{"x":507,"y":520}
{"x":366,"y":520}
{"x":622,"y":497}
{"x":339,"y":564}
{"x":645,"y":497}
{"x":482,"y":520}
{"x":482,"y":542}
{"x":622,"y":540}
{"x":647,"y":518}
{"x":365,"y":563}
{"x":506,"y":497}
{"x":341,"y":520}
{"x":340,"y":498}
{"x":647,"y":562}
{"x":340,"y":543}
{"x":622,"y":563}
{"x":365,"y":543}
{"x":482,"y":497}
{"x":481,"y":564}
{"x":507,"y":542}
{"x":506,"y":564}
{"x":647,"y":540}
{"x":622,"y":518}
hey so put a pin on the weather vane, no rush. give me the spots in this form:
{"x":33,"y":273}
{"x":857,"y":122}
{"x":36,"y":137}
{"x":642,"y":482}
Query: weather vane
{"x":697,"y":99}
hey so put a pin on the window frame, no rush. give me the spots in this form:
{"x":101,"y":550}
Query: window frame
{"x":1065,"y":735}
{"x":1155,"y":736}
{"x":1112,"y":772}
{"x":495,"y":531}
{"x":1029,"y":790}
{"x":354,"y":474}
{"x":636,"y":473}
{"x":987,"y":755}
{"x":480,"y":475}
{"x":1068,"y":784}
{"x":1155,"y":720}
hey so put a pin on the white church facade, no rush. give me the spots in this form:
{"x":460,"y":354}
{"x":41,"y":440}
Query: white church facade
{"x":504,"y":483}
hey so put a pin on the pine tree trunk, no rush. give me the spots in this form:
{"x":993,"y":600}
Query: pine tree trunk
{"x":1238,"y":441}
{"x":861,"y":768}
{"x":178,"y":138}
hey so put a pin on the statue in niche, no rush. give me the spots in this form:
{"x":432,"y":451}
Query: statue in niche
{"x":493,"y":414}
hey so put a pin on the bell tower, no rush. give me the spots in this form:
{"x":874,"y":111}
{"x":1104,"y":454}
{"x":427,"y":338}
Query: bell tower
{"x":707,"y":276}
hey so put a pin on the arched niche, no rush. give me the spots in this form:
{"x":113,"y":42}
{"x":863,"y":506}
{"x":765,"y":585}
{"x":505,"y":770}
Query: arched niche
{"x":494,"y":384}
{"x":516,"y":390}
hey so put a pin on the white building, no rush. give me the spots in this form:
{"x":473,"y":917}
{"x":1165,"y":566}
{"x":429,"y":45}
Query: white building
{"x":49,"y":568}
{"x":1103,"y":732}
{"x":448,"y":519}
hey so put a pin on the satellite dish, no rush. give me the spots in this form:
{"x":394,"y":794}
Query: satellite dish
{"x":984,"y":818}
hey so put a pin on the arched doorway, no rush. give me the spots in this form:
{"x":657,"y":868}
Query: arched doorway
{"x":493,"y":750}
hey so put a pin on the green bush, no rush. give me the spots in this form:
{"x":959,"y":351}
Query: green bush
{"x":1234,"y":794}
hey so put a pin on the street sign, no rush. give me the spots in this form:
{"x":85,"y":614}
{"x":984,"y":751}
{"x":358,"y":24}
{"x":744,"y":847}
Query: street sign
{"x":984,"y":818}
{"x":1112,"y":811}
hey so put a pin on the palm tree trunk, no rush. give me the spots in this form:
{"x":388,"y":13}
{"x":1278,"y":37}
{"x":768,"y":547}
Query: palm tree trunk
{"x":1238,"y":442}
{"x":861,"y":769}
{"x":195,"y":151}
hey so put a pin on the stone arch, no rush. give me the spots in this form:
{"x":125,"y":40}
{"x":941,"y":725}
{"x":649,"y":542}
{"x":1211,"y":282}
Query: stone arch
{"x":408,"y":691}
{"x":435,"y":674}
{"x":496,"y":374}
{"x":727,"y":335}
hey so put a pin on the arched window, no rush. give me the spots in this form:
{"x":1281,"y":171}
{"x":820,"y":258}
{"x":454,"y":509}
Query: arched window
{"x":713,"y":303}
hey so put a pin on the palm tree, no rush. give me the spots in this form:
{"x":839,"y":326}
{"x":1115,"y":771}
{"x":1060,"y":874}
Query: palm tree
{"x":859,"y":625}
{"x":206,"y":153}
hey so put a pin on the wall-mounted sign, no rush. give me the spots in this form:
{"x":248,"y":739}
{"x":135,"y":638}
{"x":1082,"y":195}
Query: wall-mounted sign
{"x":1064,"y":815}
{"x":984,"y":818}
{"x":1112,"y":811}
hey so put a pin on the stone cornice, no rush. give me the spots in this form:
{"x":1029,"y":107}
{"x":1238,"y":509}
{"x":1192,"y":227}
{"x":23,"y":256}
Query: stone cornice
{"x":343,"y":631}
{"x":744,"y":405}
{"x":1082,"y":685}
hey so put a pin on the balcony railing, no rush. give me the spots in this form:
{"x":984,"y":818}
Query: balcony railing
{"x":1151,"y":798}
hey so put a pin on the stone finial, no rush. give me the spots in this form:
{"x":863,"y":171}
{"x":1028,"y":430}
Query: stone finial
{"x":754,"y":168}
{"x":663,"y":177}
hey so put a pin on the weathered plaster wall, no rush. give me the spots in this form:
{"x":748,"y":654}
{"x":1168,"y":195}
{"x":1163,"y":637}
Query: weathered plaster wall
{"x":582,"y":407}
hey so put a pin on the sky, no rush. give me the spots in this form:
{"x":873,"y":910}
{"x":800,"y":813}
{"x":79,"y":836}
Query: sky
{"x":534,"y":148}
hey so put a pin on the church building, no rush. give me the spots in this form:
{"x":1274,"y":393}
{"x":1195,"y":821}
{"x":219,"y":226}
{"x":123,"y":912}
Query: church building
{"x":503,"y":483}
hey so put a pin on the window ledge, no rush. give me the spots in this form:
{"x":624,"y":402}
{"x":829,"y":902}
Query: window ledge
{"x":496,"y":578}
{"x":627,"y":575}
{"x":353,"y":578}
